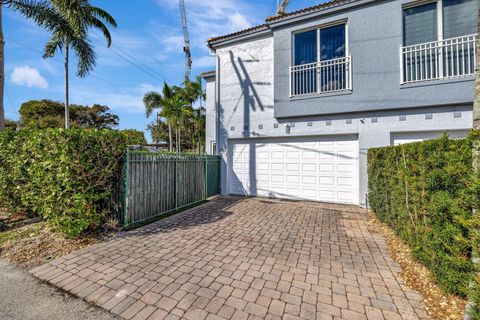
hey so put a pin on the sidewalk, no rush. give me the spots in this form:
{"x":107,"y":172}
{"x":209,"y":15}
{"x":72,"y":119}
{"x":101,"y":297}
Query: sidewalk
{"x":23,"y":297}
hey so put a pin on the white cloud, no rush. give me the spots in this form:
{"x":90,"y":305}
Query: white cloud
{"x":213,"y":18}
{"x":29,"y":77}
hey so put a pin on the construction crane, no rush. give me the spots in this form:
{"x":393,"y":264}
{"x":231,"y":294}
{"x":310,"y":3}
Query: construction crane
{"x":283,"y":7}
{"x":186,"y":47}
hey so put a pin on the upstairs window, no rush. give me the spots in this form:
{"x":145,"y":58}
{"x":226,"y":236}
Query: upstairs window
{"x":439,"y":40}
{"x":320,"y":62}
{"x":332,"y":45}
{"x":305,"y":47}
{"x":332,"y":42}
{"x":458,"y":18}
{"x":420,"y":24}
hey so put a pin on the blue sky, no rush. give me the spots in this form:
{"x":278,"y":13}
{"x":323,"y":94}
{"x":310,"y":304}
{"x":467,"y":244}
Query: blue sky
{"x":149,"y":34}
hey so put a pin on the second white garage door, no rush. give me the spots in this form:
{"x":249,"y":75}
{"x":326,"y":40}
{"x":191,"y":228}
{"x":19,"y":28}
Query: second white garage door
{"x":317,"y":168}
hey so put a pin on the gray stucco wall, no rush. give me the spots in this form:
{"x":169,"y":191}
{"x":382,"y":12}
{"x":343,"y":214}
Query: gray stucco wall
{"x":374,"y":40}
{"x":249,"y":109}
{"x":210,"y":114}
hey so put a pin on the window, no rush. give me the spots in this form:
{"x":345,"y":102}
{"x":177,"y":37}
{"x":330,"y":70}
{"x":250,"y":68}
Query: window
{"x":213,"y":148}
{"x":320,"y":62}
{"x":439,"y":40}
{"x":332,"y":45}
{"x":458,"y":18}
{"x":332,"y":42}
{"x":306,"y":47}
{"x":420,"y":24}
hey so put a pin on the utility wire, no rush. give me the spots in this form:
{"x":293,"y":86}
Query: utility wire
{"x":92,"y":75}
{"x":10,"y":100}
{"x":134,"y":61}
{"x":153,"y":58}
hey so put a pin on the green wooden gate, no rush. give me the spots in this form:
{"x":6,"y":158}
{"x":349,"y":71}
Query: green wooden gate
{"x":155,"y":184}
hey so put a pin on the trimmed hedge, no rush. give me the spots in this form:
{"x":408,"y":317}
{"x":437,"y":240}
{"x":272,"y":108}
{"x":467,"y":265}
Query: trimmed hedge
{"x":66,"y":176}
{"x":427,"y":193}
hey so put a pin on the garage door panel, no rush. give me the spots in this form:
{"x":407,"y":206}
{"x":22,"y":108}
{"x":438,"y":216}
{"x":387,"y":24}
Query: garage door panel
{"x":309,"y":167}
{"x":324,"y":169}
{"x":278,"y":166}
{"x":293,"y":167}
{"x":326,"y":181}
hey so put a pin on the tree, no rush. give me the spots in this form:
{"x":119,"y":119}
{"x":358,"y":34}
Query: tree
{"x":171,"y":106}
{"x":134,"y":137}
{"x":158,"y":131}
{"x":192,"y":91}
{"x":10,"y":124}
{"x":77,"y":18}
{"x":42,"y":114}
{"x":96,"y":116}
{"x":42,"y":14}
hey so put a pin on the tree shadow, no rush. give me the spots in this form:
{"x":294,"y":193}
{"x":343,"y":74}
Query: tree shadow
{"x":212,"y":212}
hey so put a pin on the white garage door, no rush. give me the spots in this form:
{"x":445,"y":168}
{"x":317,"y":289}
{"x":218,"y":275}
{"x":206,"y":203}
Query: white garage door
{"x":408,"y":137}
{"x":319,"y":169}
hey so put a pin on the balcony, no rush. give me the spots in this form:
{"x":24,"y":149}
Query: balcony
{"x":445,"y":59}
{"x":323,"y":77}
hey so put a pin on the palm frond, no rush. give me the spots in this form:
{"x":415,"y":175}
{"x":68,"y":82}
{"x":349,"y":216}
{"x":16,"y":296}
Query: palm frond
{"x":85,"y":54}
{"x":152,"y":100}
{"x":41,"y":12}
{"x":94,"y":22}
{"x":103,"y":15}
{"x":55,"y":43}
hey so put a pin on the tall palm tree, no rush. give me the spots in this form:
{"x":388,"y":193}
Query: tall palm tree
{"x":38,"y":11}
{"x":78,"y":17}
{"x":192,"y":92}
{"x":181,"y":111}
{"x":161,"y":101}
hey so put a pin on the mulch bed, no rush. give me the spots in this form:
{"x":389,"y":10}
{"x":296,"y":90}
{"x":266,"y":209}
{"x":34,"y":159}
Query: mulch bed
{"x":35,"y":244}
{"x":418,"y":277}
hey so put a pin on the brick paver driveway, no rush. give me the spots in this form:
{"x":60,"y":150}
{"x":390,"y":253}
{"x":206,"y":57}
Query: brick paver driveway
{"x":243,"y":259}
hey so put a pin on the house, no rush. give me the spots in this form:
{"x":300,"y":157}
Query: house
{"x":295,"y":103}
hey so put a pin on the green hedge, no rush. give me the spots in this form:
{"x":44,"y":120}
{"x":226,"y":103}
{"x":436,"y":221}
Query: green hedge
{"x":66,"y":176}
{"x":427,"y":193}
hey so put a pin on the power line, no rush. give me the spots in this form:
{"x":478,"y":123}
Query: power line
{"x":58,"y":60}
{"x":135,"y":62}
{"x":10,"y":100}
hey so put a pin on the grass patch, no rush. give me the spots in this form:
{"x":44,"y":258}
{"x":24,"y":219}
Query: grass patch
{"x":36,"y":244}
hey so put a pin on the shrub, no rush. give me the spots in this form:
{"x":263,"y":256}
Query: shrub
{"x":66,"y":176}
{"x":427,"y":193}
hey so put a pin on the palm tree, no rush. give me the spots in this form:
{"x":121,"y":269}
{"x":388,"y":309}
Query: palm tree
{"x":40,"y":12}
{"x":78,"y":17}
{"x":193,"y":91}
{"x":180,"y":110}
{"x":154,"y":100}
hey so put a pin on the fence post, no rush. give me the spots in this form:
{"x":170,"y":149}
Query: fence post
{"x":126,"y":182}
{"x":175,"y":159}
{"x":206,"y":176}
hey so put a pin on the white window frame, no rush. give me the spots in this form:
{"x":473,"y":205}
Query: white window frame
{"x":318,"y":28}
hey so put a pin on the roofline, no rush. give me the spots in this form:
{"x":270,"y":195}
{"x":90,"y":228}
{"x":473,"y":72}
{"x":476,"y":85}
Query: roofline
{"x":329,"y":7}
{"x":208,"y":74}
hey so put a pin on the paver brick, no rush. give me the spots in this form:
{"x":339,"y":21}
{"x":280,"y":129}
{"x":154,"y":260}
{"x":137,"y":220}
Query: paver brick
{"x":237,"y":258}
